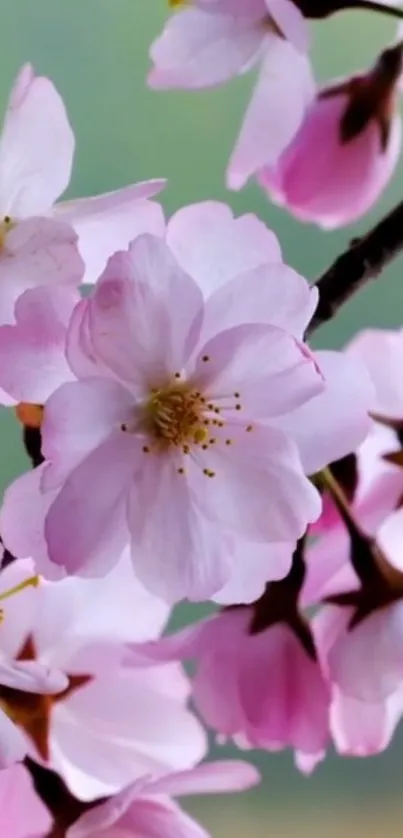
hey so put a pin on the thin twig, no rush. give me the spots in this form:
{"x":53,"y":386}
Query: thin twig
{"x":364,"y":260}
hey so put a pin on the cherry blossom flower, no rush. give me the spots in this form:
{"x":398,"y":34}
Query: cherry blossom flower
{"x":175,"y":417}
{"x":36,"y":156}
{"x":106,"y":725}
{"x":209,"y":43}
{"x":240,"y":260}
{"x":22,"y":814}
{"x":145,"y":808}
{"x":356,"y":131}
{"x":261,"y":688}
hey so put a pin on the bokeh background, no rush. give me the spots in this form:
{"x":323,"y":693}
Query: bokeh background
{"x":96,"y":51}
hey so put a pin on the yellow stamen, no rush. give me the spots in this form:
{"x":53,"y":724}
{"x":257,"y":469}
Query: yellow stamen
{"x":32,"y":582}
{"x":6,"y":225}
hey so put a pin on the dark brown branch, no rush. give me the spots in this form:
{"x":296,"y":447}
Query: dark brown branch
{"x":364,"y":260}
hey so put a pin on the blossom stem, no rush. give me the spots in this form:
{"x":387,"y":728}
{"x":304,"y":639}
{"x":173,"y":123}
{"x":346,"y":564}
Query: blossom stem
{"x":364,"y":260}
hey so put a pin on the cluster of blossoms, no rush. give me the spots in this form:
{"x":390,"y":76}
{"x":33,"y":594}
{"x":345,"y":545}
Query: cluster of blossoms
{"x":188,"y":444}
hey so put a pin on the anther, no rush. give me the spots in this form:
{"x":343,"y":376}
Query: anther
{"x":212,"y":441}
{"x":238,"y":407}
{"x":204,"y":447}
{"x":146,"y":449}
{"x":237,"y":395}
{"x":123,"y":427}
{"x":249,"y":428}
{"x":228,"y":441}
{"x":205,"y":358}
{"x":181,"y":470}
{"x":177,"y":375}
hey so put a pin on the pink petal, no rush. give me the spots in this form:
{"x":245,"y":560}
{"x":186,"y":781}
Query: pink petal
{"x":208,"y":778}
{"x":38,"y":251}
{"x":85,"y":527}
{"x":78,"y":417}
{"x":135,"y":328}
{"x":176,"y":552}
{"x":202,"y":50}
{"x":286,"y":377}
{"x":36,"y":147}
{"x":360,"y":728}
{"x":134,"y":615}
{"x":284,"y":694}
{"x":336,"y":421}
{"x":253,"y":565}
{"x":140,"y":816}
{"x":268,"y":127}
{"x":291,"y":21}
{"x":367,"y":662}
{"x":19,"y":612}
{"x":381,"y":350}
{"x":32,"y":677}
{"x":22,"y":812}
{"x":261,"y":471}
{"x":32,"y":352}
{"x":13,"y":745}
{"x":79,"y":350}
{"x":272,"y":294}
{"x":213,"y":247}
{"x":389,"y":538}
{"x":22,"y":521}
{"x":108,"y":223}
{"x":122,"y":727}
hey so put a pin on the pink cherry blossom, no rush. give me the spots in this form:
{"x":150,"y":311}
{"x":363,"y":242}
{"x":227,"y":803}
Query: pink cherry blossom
{"x":146,"y":808}
{"x":262,"y":689}
{"x":239,"y":260}
{"x":107,"y":724}
{"x":36,"y":156}
{"x":170,"y":489}
{"x":209,"y":43}
{"x":22,"y":814}
{"x":354,"y":157}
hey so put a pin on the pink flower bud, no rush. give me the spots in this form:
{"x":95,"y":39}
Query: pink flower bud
{"x":345,"y":151}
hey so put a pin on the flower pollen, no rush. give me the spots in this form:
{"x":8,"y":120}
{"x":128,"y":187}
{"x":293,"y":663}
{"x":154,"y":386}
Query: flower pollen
{"x":174,"y":416}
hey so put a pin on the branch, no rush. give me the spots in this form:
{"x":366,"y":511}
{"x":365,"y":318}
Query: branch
{"x":364,"y":260}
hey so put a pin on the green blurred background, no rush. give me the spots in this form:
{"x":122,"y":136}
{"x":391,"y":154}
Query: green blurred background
{"x":96,"y":53}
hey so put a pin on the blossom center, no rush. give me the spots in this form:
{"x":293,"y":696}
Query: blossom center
{"x":174,"y":415}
